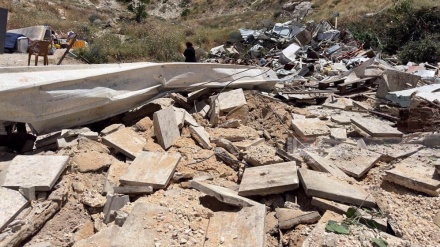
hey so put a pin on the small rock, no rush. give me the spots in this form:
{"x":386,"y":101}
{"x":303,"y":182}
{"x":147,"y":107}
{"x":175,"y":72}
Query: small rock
{"x":78,"y":187}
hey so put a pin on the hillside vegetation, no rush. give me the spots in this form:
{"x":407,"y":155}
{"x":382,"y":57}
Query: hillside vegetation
{"x":116,"y":34}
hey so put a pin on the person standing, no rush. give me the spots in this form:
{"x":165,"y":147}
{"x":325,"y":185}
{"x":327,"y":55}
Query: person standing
{"x":190,"y":53}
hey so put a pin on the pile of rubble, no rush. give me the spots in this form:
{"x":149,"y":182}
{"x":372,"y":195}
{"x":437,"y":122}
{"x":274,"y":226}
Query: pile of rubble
{"x":228,"y":168}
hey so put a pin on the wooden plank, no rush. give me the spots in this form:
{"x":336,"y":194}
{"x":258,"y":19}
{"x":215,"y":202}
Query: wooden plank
{"x":151,"y":168}
{"x":269,"y":179}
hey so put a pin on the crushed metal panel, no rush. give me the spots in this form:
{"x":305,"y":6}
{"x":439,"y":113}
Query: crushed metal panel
{"x":403,"y":98}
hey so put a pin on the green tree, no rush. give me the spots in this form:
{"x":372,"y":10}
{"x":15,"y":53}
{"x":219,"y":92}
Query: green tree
{"x":138,"y":7}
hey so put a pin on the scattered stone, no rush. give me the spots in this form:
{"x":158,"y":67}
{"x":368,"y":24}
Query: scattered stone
{"x":392,"y":152}
{"x":262,"y":155}
{"x":85,"y":231}
{"x":354,"y":161}
{"x":376,"y":128}
{"x":47,"y":140}
{"x":111,"y":128}
{"x":310,"y":127}
{"x":78,"y":187}
{"x":91,"y":161}
{"x":228,"y":101}
{"x":223,"y":194}
{"x":243,"y":228}
{"x":65,"y":133}
{"x":90,"y":134}
{"x":240,"y":113}
{"x":133,"y":190}
{"x":11,"y":204}
{"x":228,"y":145}
{"x":341,"y":119}
{"x":144,"y":124}
{"x":234,"y":123}
{"x":318,"y":236}
{"x":165,"y":127}
{"x":245,"y":145}
{"x":417,"y":176}
{"x":227,"y":158}
{"x":321,"y":164}
{"x":288,"y":218}
{"x":103,"y":238}
{"x":36,"y":171}
{"x":180,"y":100}
{"x":116,"y":170}
{"x":67,"y":142}
{"x":269,"y":179}
{"x":93,"y":200}
{"x":235,"y":135}
{"x":201,"y":108}
{"x":151,"y":168}
{"x":201,"y":136}
{"x":338,"y":103}
{"x":326,"y":186}
{"x":338,"y":134}
{"x":114,"y":203}
{"x":125,"y":141}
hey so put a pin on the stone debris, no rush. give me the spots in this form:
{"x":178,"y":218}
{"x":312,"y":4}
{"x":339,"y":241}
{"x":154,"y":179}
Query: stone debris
{"x":262,"y":155}
{"x":310,"y":127}
{"x":201,"y":136}
{"x":125,"y":141}
{"x":269,"y":179}
{"x":165,"y":127}
{"x":152,"y":169}
{"x":41,"y":172}
{"x":376,"y":128}
{"x":11,"y":205}
{"x":288,"y":218}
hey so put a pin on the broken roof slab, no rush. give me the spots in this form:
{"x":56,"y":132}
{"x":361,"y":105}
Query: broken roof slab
{"x":376,"y":127}
{"x":37,"y":171}
{"x":126,"y":141}
{"x":310,"y":127}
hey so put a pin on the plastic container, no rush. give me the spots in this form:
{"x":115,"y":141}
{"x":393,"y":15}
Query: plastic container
{"x":22,"y":44}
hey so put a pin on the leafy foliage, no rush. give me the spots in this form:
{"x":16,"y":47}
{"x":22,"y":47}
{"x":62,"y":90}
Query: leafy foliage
{"x":378,"y":242}
{"x":333,"y":226}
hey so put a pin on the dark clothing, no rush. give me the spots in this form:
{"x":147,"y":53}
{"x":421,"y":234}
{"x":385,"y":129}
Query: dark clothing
{"x":190,"y":55}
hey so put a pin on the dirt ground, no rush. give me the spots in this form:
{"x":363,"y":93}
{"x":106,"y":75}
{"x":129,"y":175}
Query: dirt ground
{"x":21,"y":59}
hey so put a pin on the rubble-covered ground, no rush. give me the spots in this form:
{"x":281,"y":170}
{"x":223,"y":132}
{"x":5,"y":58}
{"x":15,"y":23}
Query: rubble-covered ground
{"x":343,"y":151}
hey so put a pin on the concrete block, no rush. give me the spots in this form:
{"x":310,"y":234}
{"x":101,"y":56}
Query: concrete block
{"x":125,"y":141}
{"x":133,"y":190}
{"x":376,"y":127}
{"x":288,"y":218}
{"x":241,"y":229}
{"x":223,"y":194}
{"x":326,"y":186}
{"x":321,"y":164}
{"x":245,"y":145}
{"x":230,"y":100}
{"x":202,"y":108}
{"x":90,"y":134}
{"x":201,"y":136}
{"x":262,"y":155}
{"x":416,"y":176}
{"x":47,"y":140}
{"x":38,"y":171}
{"x":152,"y":169}
{"x":338,"y":134}
{"x":114,"y":203}
{"x":269,"y":179}
{"x":11,"y":204}
{"x":103,"y":238}
{"x":111,"y":128}
{"x":116,"y":170}
{"x":67,"y":142}
{"x":165,"y":127}
{"x":310,"y":127}
{"x":392,"y":152}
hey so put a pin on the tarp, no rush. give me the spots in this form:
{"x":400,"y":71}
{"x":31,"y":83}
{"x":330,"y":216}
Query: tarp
{"x":11,"y":40}
{"x":50,"y":98}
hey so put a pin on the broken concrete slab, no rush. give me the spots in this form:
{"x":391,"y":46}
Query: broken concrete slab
{"x":235,"y":135}
{"x":241,"y":113}
{"x":223,"y":194}
{"x":227,"y":101}
{"x":318,"y":236}
{"x":353,"y":160}
{"x":239,"y":229}
{"x":12,"y":203}
{"x":310,"y":127}
{"x":202,"y":108}
{"x":91,"y":161}
{"x":47,"y":140}
{"x":165,"y":127}
{"x":67,"y":142}
{"x":214,"y":114}
{"x":327,"y":186}
{"x":113,"y":203}
{"x":37,"y":171}
{"x":338,"y":134}
{"x":125,"y":141}
{"x":394,"y":80}
{"x":269,"y":179}
{"x":90,"y":134}
{"x":245,"y":145}
{"x":376,"y":127}
{"x":201,"y":136}
{"x":288,"y":218}
{"x":262,"y":155}
{"x":197,"y":94}
{"x":416,"y":176}
{"x":73,"y":132}
{"x":233,"y":123}
{"x":151,"y":168}
{"x":111,"y":128}
{"x":139,"y":228}
{"x":133,"y":190}
{"x":341,"y":119}
{"x":338,"y":103}
{"x":183,"y":117}
{"x":392,"y":152}
{"x":103,"y":238}
{"x":322,"y":164}
{"x":366,"y":218}
{"x":116,"y":170}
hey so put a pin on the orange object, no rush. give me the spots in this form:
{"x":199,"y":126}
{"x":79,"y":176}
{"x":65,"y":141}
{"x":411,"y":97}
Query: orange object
{"x":79,"y":44}
{"x":39,"y":48}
